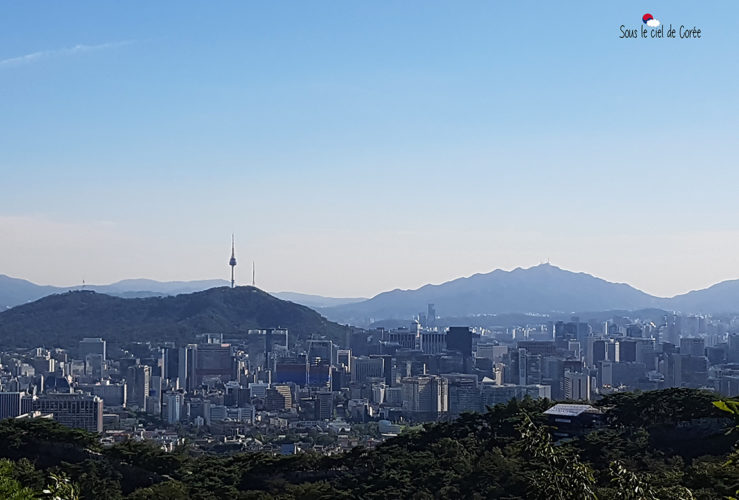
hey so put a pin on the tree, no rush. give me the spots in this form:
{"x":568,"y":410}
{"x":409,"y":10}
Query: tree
{"x":61,"y":488}
{"x":555,"y":472}
{"x":628,"y":485}
{"x":10,"y":489}
{"x":731,"y":407}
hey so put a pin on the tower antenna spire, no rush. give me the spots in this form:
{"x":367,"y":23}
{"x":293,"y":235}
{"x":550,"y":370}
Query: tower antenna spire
{"x":253,"y":274}
{"x":232,"y":262}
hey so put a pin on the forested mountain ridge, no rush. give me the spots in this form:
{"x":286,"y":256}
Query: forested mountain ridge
{"x":61,"y":320}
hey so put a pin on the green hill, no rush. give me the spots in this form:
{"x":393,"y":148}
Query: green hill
{"x":63,"y":319}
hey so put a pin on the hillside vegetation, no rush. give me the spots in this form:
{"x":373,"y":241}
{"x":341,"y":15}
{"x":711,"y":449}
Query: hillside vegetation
{"x":62,"y":320}
{"x":506,"y":452}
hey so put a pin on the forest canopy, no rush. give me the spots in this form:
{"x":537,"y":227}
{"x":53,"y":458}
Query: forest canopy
{"x":675,"y":443}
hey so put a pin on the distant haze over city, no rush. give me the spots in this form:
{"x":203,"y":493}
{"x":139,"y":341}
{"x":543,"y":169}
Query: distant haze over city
{"x":539,"y":289}
{"x":308,"y":270}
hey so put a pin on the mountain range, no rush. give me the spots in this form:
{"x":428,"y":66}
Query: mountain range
{"x":540,"y":289}
{"x":14,"y":291}
{"x":316,"y":301}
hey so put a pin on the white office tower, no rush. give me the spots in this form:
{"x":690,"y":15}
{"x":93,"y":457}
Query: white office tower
{"x":577,"y":386}
{"x":174,"y":402}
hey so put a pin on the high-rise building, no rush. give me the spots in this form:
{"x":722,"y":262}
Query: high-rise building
{"x":575,"y":348}
{"x":432,"y":342}
{"x":113,"y":395}
{"x":583,"y":331}
{"x":92,"y":350}
{"x":218,"y":413}
{"x":321,"y":351}
{"x":459,"y":338}
{"x":377,"y":394}
{"x":684,"y":370}
{"x":492,"y":393}
{"x":187,"y":366}
{"x":138,"y":384}
{"x":387,"y":367}
{"x":612,"y":351}
{"x":425,"y":394}
{"x":291,"y":370}
{"x":732,"y":353}
{"x":74,"y":410}
{"x":43,"y":364}
{"x":464,"y":393}
{"x":319,"y":375}
{"x":403,"y":337}
{"x":171,"y":357}
{"x":647,"y":354}
{"x":28,"y":402}
{"x":617,"y":374}
{"x":154,"y":399}
{"x":344,"y":359}
{"x":276,"y":341}
{"x":634,"y":331}
{"x":693,"y":346}
{"x":431,"y":315}
{"x":366,"y":367}
{"x":324,"y":405}
{"x":673,"y":332}
{"x":596,"y":351}
{"x":10,"y":404}
{"x":174,"y":402}
{"x":627,"y":350}
{"x":279,"y":397}
{"x":95,"y":366}
{"x":576,"y":386}
{"x":258,"y":390}
{"x":486,"y":351}
{"x":214,"y":361}
{"x":527,"y":366}
{"x":321,"y":357}
{"x":539,"y":347}
{"x":573,"y":330}
{"x":91,"y":345}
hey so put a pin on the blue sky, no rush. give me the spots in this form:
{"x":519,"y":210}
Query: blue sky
{"x":355,"y":147}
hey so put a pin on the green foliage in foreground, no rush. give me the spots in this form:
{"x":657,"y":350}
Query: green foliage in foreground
{"x":656,"y":445}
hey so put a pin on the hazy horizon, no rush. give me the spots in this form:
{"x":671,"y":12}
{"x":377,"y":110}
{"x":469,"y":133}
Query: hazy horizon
{"x":358,"y":148}
{"x":248,"y":283}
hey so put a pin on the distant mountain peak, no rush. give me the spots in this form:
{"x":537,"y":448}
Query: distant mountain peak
{"x":541,"y":288}
{"x":545,"y":267}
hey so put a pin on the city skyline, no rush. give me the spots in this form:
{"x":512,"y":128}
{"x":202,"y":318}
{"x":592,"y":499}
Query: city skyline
{"x":357,"y":149}
{"x":368,"y":249}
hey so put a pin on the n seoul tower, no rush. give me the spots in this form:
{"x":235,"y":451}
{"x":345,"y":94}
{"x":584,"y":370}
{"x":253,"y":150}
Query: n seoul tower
{"x":232,"y":262}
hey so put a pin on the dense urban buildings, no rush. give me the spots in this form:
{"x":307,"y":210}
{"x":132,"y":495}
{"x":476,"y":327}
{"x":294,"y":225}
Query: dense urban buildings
{"x":239,"y":385}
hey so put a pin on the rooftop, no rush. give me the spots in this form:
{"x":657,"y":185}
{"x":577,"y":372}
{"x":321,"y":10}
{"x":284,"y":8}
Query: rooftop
{"x":570,"y":410}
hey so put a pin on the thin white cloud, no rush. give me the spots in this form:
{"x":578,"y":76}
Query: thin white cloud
{"x":653,"y":23}
{"x":66,"y":51}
